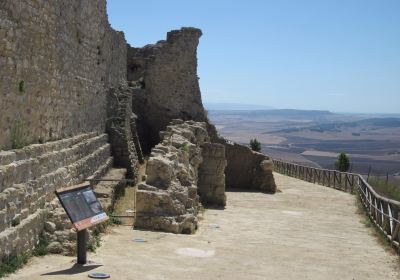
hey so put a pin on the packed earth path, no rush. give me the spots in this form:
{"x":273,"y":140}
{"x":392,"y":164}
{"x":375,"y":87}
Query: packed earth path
{"x":304,"y":231}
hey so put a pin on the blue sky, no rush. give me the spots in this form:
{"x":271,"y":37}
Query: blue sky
{"x":338,"y":55}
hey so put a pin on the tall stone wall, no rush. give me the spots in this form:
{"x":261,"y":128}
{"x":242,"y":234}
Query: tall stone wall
{"x":57,"y":60}
{"x":167,"y":75}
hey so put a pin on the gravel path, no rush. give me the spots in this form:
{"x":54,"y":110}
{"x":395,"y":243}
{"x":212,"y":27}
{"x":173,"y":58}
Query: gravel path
{"x":305,"y":231}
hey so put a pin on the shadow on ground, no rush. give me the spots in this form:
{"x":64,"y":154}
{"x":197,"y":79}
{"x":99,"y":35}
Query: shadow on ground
{"x":75,"y":269}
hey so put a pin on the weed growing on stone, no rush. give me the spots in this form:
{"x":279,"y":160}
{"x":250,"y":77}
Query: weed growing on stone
{"x":94,"y":242}
{"x":12,"y":263}
{"x":41,"y":247}
{"x":18,"y":139}
{"x":185,"y":147}
{"x":21,"y":86}
{"x":113,"y":220}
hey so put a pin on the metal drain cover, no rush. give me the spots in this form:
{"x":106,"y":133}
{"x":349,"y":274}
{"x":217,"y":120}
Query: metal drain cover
{"x":139,"y":239}
{"x":99,"y":275}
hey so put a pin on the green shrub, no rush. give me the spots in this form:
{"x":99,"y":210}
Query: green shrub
{"x":343,"y":162}
{"x":255,"y":145}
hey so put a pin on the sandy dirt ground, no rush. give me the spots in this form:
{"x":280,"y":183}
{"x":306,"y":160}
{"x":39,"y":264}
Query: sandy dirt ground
{"x":303,"y":232}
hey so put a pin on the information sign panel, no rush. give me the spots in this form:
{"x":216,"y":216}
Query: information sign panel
{"x":82,"y":206}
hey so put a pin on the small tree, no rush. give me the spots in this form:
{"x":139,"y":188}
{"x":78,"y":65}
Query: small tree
{"x":255,"y":145}
{"x":343,"y":162}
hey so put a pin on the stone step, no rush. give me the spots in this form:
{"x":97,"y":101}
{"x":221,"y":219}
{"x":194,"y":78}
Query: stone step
{"x":20,"y":200}
{"x":34,"y":150}
{"x":24,"y":236}
{"x":53,"y":160}
{"x":107,"y":191}
{"x":29,"y":169}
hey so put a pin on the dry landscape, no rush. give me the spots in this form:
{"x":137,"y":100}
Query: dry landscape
{"x":316,"y":137}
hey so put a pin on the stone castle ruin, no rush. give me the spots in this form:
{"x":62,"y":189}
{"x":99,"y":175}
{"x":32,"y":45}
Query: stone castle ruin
{"x":78,"y":102}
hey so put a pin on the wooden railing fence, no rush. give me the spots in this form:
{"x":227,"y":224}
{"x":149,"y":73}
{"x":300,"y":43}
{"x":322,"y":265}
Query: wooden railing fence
{"x":384,"y":212}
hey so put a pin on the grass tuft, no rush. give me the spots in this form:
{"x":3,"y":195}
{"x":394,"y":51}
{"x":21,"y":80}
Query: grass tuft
{"x":387,"y":189}
{"x":12,"y":263}
{"x":368,"y":223}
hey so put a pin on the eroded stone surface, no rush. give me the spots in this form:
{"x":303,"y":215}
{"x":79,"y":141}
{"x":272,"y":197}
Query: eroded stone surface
{"x":168,"y":200}
{"x":166,"y":73}
{"x":211,"y":184}
{"x":57,"y":61}
{"x":119,"y":129}
{"x":247,"y":169}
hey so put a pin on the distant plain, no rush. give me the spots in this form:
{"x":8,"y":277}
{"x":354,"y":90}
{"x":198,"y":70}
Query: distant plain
{"x":315,"y":138}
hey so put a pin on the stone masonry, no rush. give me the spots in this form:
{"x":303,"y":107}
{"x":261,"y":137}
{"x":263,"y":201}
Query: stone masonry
{"x":29,"y":177}
{"x":57,"y":60}
{"x":247,"y":169}
{"x":211,"y":183}
{"x":119,"y":128}
{"x":64,"y":76}
{"x":167,"y":75}
{"x":169,"y":201}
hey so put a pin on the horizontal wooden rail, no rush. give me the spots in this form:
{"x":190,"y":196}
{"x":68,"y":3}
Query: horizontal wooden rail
{"x":384,"y":212}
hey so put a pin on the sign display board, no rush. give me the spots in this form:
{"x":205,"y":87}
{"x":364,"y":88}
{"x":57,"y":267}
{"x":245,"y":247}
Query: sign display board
{"x":82,"y":206}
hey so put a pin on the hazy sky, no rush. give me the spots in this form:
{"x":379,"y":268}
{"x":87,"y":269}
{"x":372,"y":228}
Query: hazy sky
{"x":339,"y":55}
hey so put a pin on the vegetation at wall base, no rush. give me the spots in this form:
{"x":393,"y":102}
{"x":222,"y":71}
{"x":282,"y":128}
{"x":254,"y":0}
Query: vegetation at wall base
{"x":343,"y":163}
{"x":94,"y":241}
{"x":369,"y":223}
{"x":255,"y":145}
{"x":385,"y":188}
{"x":12,"y":263}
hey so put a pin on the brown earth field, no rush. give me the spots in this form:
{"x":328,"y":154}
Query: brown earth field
{"x":315,"y":138}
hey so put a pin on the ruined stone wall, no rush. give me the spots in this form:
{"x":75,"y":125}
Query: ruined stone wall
{"x":169,"y":200}
{"x":29,"y":177}
{"x":120,"y":123}
{"x":211,"y":183}
{"x":57,"y":60}
{"x":247,"y":169}
{"x":167,"y":75}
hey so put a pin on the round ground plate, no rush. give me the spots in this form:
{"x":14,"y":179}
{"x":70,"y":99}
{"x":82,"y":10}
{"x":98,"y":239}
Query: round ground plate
{"x":99,"y":275}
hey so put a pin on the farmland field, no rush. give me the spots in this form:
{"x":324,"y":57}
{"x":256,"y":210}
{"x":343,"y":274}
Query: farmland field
{"x":315,"y":138}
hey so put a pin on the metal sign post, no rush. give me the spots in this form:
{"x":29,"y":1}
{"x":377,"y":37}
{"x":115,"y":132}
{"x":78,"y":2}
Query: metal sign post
{"x":84,"y":211}
{"x":82,"y":237}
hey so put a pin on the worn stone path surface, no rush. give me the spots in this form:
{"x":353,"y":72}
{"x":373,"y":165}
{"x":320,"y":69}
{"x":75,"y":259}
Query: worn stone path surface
{"x":305,"y":231}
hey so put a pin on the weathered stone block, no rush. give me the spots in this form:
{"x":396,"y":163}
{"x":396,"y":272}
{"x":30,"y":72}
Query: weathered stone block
{"x":169,"y":200}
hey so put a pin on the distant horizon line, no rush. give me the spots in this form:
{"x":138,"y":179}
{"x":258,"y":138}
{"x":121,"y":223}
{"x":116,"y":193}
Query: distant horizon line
{"x":213,"y":106}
